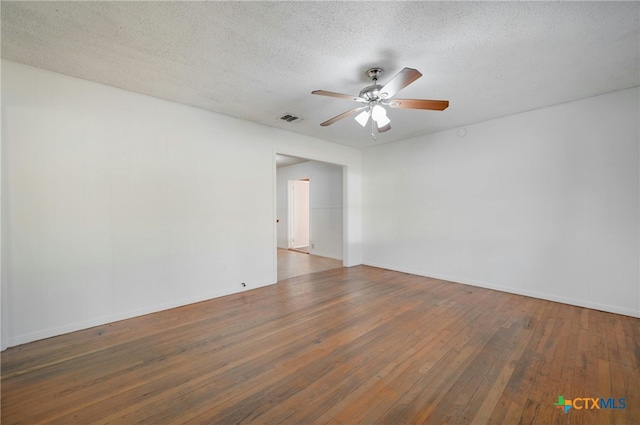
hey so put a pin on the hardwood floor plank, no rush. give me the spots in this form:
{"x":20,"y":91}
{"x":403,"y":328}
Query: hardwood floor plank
{"x":496,"y":387}
{"x":421,"y":395}
{"x":295,"y":263}
{"x":345,"y":346}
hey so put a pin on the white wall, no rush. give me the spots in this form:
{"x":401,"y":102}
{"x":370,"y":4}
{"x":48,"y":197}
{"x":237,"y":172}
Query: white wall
{"x":117,"y":204}
{"x":543,"y":203}
{"x":325,"y":203}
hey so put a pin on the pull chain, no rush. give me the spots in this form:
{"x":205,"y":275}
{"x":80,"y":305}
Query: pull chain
{"x":374,"y":78}
{"x":373,"y":136}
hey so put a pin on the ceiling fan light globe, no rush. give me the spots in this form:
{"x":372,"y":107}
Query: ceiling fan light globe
{"x":383,"y":121}
{"x":378,"y":112}
{"x":362,"y":118}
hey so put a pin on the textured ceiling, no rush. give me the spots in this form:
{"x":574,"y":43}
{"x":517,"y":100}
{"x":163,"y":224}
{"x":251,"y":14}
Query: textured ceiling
{"x":259,"y":60}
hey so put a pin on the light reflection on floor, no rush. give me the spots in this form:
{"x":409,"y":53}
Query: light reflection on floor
{"x":292,"y":263}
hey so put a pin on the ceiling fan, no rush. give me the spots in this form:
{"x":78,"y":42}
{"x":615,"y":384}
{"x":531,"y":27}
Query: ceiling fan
{"x":376,"y":97}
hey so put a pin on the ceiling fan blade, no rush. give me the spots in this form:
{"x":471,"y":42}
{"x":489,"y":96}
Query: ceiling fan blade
{"x":400,"y":81}
{"x":342,"y":116}
{"x":434,"y":105}
{"x":385,"y":128}
{"x":339,"y":95}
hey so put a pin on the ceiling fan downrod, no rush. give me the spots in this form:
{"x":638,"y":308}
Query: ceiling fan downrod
{"x":371,"y":92}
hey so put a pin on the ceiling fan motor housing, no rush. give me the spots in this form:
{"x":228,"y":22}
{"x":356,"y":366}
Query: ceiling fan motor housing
{"x":371,"y":92}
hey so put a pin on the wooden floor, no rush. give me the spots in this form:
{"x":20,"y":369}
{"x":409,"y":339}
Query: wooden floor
{"x":294,"y":263}
{"x":347,"y":346}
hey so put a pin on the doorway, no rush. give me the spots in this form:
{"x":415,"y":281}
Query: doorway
{"x":299,"y":220}
{"x":309,"y":216}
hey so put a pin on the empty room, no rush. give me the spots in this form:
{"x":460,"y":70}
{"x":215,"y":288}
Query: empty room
{"x":325,"y":212}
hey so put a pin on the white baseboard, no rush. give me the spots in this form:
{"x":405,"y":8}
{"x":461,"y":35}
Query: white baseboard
{"x":116,"y":317}
{"x":324,"y":254}
{"x":517,"y":291}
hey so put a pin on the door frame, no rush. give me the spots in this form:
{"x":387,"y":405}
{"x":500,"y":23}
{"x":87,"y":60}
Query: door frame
{"x":346,"y":254}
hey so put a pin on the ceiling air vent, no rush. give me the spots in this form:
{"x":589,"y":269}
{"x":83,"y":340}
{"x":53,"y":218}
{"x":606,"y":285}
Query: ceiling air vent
{"x":290,"y":118}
